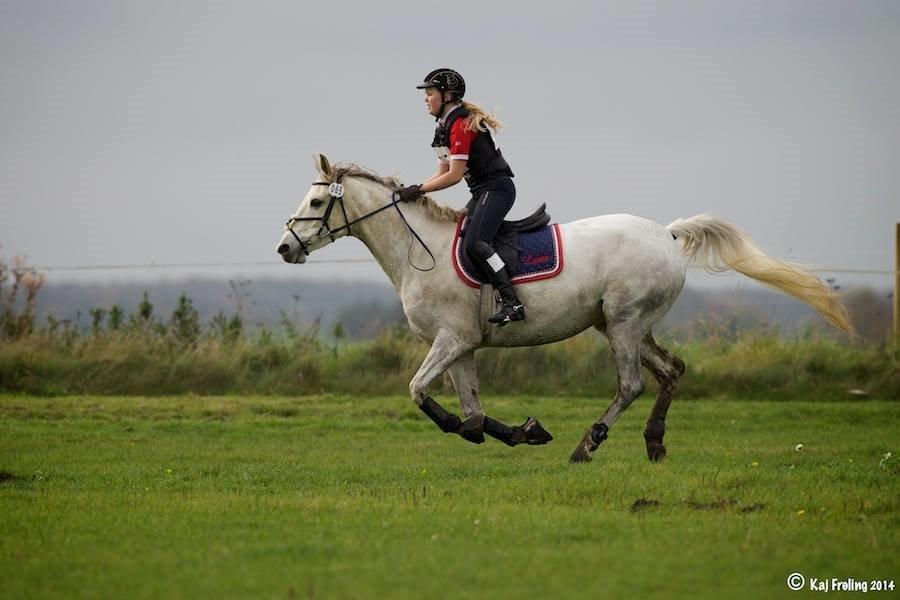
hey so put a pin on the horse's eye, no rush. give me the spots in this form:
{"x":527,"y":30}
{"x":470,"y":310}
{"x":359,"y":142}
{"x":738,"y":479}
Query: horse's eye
{"x":316,"y":203}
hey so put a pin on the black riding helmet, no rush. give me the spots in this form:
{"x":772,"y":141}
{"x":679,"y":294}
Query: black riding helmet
{"x":445,"y":80}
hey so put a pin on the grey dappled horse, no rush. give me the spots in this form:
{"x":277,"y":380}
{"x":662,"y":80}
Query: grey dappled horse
{"x":622,"y":274}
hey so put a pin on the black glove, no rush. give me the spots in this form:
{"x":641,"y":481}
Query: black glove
{"x":408,"y":194}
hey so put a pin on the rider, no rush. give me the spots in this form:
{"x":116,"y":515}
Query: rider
{"x":465,"y":148}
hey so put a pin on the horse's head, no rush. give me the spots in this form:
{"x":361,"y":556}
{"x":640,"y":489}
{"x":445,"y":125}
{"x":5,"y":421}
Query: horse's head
{"x":320,"y":219}
{"x":329,"y":211}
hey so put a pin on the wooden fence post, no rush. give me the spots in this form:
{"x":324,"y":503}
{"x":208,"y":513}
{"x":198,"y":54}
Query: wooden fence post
{"x":897,"y":285}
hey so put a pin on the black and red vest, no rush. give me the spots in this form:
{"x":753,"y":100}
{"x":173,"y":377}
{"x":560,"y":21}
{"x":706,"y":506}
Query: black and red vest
{"x":485,"y":162}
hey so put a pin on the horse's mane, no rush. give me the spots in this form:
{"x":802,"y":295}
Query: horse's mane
{"x":437,"y":211}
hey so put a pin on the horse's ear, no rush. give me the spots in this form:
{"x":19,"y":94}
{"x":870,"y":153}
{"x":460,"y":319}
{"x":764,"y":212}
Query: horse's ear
{"x":323,"y":166}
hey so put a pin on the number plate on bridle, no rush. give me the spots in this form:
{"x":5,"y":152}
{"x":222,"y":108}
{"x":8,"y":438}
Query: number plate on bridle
{"x":336,"y":190}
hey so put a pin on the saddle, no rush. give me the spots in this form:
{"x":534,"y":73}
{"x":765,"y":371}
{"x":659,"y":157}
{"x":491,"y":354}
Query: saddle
{"x":535,"y":220}
{"x":530,"y":248}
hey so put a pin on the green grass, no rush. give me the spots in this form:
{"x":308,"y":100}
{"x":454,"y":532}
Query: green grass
{"x":339,"y":496}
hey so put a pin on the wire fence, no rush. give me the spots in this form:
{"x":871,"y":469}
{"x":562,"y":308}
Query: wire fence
{"x":263,"y":264}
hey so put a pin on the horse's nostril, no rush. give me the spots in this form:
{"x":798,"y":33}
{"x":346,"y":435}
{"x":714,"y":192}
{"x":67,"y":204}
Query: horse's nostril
{"x":283,"y":249}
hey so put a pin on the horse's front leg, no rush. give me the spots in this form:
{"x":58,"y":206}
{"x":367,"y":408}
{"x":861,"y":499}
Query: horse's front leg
{"x":446,"y":349}
{"x":465,"y":379}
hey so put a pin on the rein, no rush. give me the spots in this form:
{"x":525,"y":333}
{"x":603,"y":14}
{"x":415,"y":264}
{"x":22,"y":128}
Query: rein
{"x":336,"y":192}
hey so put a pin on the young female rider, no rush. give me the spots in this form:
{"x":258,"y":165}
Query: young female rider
{"x":465,"y":148}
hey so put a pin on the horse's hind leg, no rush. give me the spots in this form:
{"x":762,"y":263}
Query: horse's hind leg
{"x":465,"y":379}
{"x":667,"y":369}
{"x":624,"y":339}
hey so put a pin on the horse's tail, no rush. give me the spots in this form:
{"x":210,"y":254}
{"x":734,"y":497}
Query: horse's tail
{"x":717,"y":246}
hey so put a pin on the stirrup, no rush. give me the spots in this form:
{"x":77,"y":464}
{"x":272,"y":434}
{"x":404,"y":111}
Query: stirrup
{"x":508,"y":313}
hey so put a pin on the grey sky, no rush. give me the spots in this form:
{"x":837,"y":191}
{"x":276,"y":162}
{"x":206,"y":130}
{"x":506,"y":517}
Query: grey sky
{"x":182,"y":132}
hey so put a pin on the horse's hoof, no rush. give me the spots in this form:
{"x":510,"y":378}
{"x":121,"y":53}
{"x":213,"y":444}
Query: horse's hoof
{"x":535,"y":434}
{"x":472,"y":429}
{"x":655,"y":451}
{"x":581,"y":455}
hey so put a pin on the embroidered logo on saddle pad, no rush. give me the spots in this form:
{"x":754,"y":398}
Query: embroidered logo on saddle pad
{"x":538,"y":253}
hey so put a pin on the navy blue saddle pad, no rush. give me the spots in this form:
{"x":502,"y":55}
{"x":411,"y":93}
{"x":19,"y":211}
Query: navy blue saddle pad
{"x":537,"y":255}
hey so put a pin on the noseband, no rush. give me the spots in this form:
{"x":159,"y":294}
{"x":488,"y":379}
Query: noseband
{"x":336,"y":192}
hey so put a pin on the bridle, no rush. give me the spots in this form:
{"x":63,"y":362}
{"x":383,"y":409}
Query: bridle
{"x":336,"y":193}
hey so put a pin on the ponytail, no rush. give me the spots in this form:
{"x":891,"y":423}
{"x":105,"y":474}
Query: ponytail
{"x":479,"y":120}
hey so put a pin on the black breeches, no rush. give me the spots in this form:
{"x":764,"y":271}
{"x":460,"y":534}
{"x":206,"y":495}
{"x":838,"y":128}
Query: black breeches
{"x":486,"y":212}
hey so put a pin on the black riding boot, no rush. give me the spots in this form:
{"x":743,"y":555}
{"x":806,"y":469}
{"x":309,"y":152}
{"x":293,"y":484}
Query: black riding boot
{"x":494,"y":267}
{"x":512,"y":309}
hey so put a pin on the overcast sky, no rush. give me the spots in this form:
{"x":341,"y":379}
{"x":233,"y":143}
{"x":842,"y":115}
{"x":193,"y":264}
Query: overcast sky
{"x":183,"y":131}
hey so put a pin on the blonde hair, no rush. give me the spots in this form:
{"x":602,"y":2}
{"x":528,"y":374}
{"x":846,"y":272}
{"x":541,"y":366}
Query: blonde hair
{"x":479,"y":119}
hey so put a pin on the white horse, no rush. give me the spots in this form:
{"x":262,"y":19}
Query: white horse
{"x":622,"y":274}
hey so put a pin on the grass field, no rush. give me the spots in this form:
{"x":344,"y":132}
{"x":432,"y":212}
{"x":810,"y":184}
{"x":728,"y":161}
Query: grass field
{"x":336,"y":496}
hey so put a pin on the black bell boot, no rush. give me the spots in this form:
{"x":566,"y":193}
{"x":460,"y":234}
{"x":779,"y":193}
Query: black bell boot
{"x":512,"y":308}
